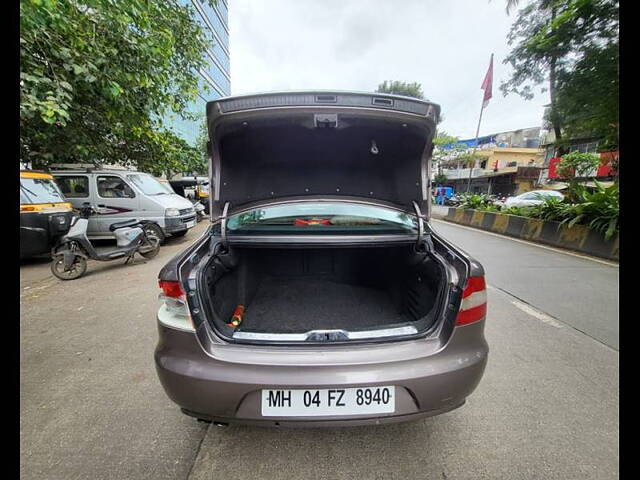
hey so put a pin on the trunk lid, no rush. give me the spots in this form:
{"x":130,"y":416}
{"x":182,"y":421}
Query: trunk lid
{"x":278,"y":145}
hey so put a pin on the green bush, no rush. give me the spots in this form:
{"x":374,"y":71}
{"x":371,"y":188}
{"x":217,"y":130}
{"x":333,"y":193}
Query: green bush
{"x":598,"y":209}
{"x":476,"y":201}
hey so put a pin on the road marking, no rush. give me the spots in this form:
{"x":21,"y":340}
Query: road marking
{"x":543,"y":317}
{"x":533,"y":244}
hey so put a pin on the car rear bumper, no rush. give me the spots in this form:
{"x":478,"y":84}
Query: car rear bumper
{"x":210,"y":389}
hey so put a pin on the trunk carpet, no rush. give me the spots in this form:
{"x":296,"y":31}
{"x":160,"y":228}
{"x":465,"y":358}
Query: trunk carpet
{"x":288,"y":305}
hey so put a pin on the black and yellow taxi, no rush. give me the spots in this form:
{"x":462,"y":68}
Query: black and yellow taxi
{"x":44,"y":213}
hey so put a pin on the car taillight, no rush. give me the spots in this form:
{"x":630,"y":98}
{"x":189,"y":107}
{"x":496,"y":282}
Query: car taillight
{"x":174,"y":311}
{"x":474,"y":302}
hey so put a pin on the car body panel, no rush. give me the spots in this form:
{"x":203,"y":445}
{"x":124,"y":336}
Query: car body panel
{"x":139,"y":207}
{"x":218,"y":379}
{"x":230,"y":391}
{"x":389,"y":148}
{"x":529,"y":199}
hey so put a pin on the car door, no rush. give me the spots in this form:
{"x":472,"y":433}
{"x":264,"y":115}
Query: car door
{"x":115,"y":201}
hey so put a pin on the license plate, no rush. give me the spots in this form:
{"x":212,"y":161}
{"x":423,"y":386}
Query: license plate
{"x":190,"y":224}
{"x":332,"y":401}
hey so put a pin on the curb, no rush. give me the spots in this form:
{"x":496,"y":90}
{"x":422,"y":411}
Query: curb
{"x":578,"y":238}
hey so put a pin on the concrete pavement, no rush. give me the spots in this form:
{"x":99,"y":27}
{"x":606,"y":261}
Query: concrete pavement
{"x":91,"y":405}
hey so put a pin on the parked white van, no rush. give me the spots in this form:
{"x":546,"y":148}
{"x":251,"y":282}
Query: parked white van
{"x":119,"y":195}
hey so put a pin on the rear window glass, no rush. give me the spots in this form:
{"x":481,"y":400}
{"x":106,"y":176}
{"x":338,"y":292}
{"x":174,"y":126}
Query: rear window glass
{"x":322,"y":218}
{"x":114,"y":187}
{"x":74,"y":186}
{"x":39,"y":190}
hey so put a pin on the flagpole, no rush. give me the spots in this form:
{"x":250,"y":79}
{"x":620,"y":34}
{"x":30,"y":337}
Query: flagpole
{"x":475,"y":145}
{"x":486,"y":86}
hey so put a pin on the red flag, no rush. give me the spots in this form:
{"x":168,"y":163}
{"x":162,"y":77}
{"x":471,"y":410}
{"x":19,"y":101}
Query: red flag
{"x":487,"y":83}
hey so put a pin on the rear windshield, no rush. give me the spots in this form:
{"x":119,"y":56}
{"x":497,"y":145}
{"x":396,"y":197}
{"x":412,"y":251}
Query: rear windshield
{"x":320,"y":218}
{"x":39,"y":190}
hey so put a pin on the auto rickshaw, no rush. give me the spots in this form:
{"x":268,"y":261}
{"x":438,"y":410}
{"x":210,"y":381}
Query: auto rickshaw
{"x":44,"y":213}
{"x":199,"y":187}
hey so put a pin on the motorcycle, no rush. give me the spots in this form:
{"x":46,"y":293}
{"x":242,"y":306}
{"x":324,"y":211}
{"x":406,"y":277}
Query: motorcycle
{"x":454,"y":200}
{"x":71,"y":251}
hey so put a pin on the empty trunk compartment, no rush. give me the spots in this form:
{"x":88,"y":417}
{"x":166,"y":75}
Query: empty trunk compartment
{"x":320,"y":294}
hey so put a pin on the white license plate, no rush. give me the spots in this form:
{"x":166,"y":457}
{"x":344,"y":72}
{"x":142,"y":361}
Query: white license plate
{"x":331,"y":401}
{"x":190,"y":224}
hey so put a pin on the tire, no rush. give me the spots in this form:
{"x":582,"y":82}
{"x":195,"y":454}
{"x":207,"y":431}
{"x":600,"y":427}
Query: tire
{"x":154,"y":229}
{"x":154,"y":242}
{"x":181,"y":233}
{"x":78,"y":268}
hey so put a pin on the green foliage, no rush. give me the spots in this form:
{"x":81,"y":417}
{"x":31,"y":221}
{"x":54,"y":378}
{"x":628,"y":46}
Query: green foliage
{"x":572,"y":167}
{"x":98,"y":76}
{"x":571,"y":46}
{"x":576,"y":164}
{"x":401,"y":88}
{"x":477,"y":201}
{"x":440,"y":155}
{"x":513,"y":211}
{"x":587,"y":97}
{"x":598,"y":209}
{"x":440,"y":179}
{"x":469,"y":159}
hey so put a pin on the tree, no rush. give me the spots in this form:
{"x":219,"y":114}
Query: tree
{"x":440,"y":179}
{"x":445,"y":147}
{"x":588,"y":97}
{"x":98,"y":76}
{"x":551,"y":38}
{"x":401,"y":88}
{"x":574,"y":167}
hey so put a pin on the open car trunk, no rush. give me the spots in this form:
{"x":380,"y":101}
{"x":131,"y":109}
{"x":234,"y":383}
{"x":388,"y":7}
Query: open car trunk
{"x":324,"y":294}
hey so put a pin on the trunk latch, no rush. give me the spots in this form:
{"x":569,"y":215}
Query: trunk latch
{"x":327,"y":336}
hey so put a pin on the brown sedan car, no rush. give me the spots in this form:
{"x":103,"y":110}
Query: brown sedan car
{"x":320,"y":295}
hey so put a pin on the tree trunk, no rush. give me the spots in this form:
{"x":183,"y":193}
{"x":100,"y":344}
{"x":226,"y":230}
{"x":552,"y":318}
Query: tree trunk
{"x":555,"y":121}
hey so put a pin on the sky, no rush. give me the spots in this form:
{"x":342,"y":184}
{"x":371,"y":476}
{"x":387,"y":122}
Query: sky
{"x":444,"y":45}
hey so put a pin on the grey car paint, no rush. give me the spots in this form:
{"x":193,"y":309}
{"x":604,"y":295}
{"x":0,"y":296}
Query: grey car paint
{"x":213,"y":379}
{"x":138,"y":207}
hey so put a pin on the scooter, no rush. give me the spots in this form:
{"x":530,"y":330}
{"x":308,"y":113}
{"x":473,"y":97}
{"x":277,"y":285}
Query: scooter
{"x":71,"y":251}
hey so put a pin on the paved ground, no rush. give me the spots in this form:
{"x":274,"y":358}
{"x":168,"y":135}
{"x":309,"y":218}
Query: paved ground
{"x":91,"y":406}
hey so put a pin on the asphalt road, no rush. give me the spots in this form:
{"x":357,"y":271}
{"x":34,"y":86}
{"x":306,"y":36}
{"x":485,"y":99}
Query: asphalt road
{"x":547,"y":407}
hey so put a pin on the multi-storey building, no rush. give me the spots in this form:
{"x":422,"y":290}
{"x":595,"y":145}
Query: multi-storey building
{"x":215,"y":77}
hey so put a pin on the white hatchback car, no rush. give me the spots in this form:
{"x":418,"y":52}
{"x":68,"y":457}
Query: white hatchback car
{"x":529,"y":199}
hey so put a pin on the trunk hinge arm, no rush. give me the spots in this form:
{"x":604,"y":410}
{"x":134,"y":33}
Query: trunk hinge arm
{"x":421,"y":226}
{"x":223,"y":224}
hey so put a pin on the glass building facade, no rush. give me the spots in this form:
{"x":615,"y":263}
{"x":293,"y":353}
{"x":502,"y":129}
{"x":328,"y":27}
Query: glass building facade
{"x":216,"y":76}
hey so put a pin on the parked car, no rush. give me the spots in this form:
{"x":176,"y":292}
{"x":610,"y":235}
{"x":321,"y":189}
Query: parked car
{"x":124,"y":195}
{"x":320,"y":295}
{"x":529,"y":199}
{"x":44,"y":213}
